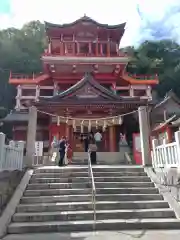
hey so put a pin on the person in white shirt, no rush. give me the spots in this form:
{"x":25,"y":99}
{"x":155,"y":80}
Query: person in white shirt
{"x":98,"y":139}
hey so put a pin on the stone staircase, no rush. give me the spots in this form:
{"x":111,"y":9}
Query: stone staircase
{"x":59,"y":200}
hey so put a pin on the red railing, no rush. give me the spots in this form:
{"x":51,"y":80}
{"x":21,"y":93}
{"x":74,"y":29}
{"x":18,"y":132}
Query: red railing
{"x":58,"y":53}
{"x":24,"y":76}
{"x":146,"y":76}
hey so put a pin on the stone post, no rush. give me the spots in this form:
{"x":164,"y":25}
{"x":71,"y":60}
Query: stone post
{"x":144,"y":135}
{"x":31,"y":136}
{"x":2,"y":143}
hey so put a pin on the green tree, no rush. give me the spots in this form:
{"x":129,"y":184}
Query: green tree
{"x":20,"y":52}
{"x":161,"y":57}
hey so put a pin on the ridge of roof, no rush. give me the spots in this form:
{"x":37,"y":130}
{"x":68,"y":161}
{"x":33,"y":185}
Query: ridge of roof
{"x":84,"y":19}
{"x":88,"y":78}
{"x":169,"y":95}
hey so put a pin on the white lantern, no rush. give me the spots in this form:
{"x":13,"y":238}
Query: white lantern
{"x":58,"y":120}
{"x":104,"y":126}
{"x":82,"y":127}
{"x":96,"y":124}
{"x":120,"y":120}
{"x":74,"y":125}
{"x":89,"y":126}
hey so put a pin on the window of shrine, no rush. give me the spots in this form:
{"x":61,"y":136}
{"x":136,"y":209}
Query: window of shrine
{"x":84,"y":48}
{"x":113,"y":50}
{"x":67,"y":37}
{"x":123,"y":93}
{"x":104,"y":49}
{"x":93,"y":48}
{"x":28,"y":92}
{"x":46,"y":92}
{"x":55,"y":46}
{"x":68,"y":48}
{"x":140,"y":92}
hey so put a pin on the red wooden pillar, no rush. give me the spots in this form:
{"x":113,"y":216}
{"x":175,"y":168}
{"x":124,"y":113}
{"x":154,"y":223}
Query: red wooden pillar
{"x":112,"y":139}
{"x":169,"y":134}
{"x":108,"y":49}
{"x":97,"y":48}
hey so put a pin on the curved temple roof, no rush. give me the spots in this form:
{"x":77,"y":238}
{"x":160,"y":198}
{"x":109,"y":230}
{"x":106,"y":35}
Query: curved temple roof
{"x":85,"y":19}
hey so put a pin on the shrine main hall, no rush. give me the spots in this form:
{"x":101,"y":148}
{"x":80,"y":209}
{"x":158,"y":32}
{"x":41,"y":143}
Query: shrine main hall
{"x":84,"y":87}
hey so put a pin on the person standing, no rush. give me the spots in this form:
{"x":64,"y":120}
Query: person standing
{"x":98,"y":139}
{"x":86,"y":143}
{"x":92,"y":151}
{"x":62,"y":150}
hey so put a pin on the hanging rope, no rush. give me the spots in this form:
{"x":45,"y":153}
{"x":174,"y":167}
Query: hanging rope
{"x":87,"y":119}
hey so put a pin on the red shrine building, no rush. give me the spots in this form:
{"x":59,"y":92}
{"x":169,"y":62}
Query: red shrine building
{"x":83,"y":85}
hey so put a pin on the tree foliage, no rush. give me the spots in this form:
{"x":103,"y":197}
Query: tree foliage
{"x":20,"y":52}
{"x":161,"y":57}
{"x":21,"y":49}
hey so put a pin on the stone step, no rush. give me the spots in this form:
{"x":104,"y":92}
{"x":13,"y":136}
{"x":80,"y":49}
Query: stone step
{"x":74,"y":206}
{"x":88,"y":215}
{"x":86,"y":179}
{"x":109,"y":224}
{"x":84,"y":198}
{"x":85,"y":185}
{"x":98,"y":169}
{"x":60,"y":170}
{"x":85,"y":174}
{"x":82,"y":185}
{"x":51,"y":192}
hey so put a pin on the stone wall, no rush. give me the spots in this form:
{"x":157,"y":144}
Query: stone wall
{"x":9,"y":180}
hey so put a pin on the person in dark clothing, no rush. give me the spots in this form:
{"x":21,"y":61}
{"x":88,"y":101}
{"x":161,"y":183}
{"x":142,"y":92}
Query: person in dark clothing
{"x":92,"y":150}
{"x":62,"y":149}
{"x":86,"y":143}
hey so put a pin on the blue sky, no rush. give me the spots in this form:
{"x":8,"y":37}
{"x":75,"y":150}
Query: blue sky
{"x":14,"y":13}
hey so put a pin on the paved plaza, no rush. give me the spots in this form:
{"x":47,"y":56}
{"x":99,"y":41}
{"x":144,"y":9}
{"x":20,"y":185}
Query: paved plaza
{"x":118,"y":235}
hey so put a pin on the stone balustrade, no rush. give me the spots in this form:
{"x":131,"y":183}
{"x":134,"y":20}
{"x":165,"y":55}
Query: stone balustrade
{"x":167,"y":154}
{"x":11,"y":156}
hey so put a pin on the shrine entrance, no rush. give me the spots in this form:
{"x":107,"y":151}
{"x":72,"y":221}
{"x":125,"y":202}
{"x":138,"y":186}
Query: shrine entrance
{"x":87,"y":107}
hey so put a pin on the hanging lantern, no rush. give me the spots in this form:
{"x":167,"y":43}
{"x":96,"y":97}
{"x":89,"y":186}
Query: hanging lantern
{"x":120,"y":120}
{"x":113,"y":121}
{"x":96,"y":124}
{"x":58,"y":120}
{"x":89,"y":126}
{"x":74,"y":125}
{"x":67,"y":120}
{"x":104,"y":126}
{"x":82,"y":127}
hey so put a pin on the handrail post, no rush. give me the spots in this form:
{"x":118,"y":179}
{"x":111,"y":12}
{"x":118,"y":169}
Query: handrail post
{"x":2,"y":145}
{"x":90,"y":173}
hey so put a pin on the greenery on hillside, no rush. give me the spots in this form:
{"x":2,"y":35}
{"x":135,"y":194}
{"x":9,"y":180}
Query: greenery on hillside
{"x":20,"y":51}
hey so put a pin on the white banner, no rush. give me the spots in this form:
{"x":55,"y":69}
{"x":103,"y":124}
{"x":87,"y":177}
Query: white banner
{"x":38,"y":149}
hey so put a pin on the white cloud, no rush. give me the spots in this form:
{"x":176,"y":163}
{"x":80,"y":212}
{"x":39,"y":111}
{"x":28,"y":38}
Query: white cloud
{"x":60,"y":11}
